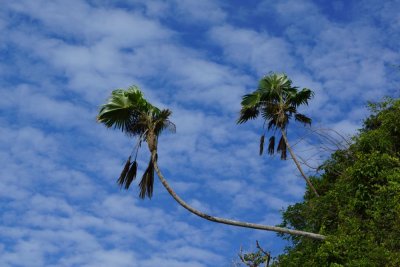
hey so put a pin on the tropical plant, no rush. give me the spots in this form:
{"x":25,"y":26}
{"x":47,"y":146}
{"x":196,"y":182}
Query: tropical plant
{"x":359,"y":207}
{"x":277,"y":101}
{"x":128,"y":111}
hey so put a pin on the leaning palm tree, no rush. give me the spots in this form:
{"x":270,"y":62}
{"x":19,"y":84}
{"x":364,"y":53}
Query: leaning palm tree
{"x":277,"y":101}
{"x":128,"y":111}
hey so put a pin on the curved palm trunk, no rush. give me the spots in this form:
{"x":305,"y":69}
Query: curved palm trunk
{"x":297,"y":163}
{"x":227,"y":221}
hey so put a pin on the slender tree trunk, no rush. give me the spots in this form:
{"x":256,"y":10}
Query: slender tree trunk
{"x":297,"y":163}
{"x":228,"y":221}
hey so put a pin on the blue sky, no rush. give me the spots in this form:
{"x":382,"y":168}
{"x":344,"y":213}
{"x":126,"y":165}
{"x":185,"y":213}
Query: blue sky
{"x":59,"y":60}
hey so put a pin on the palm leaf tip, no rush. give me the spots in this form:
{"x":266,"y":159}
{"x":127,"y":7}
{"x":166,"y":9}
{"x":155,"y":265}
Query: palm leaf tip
{"x":131,"y":175}
{"x":122,"y":178}
{"x":303,"y":119}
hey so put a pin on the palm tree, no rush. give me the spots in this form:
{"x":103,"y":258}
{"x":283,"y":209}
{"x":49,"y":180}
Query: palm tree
{"x":128,"y":111}
{"x":277,"y":101}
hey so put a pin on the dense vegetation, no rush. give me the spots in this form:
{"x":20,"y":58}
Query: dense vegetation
{"x":359,"y":204}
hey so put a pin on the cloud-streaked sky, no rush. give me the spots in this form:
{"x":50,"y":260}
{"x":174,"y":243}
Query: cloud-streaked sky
{"x":59,"y":61}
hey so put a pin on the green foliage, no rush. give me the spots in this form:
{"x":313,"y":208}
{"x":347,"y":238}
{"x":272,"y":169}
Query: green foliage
{"x":128,"y":111}
{"x":359,"y":204}
{"x":255,"y":258}
{"x":277,"y":101}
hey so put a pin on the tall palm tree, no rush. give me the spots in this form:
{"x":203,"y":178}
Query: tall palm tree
{"x":128,"y":111}
{"x":277,"y":101}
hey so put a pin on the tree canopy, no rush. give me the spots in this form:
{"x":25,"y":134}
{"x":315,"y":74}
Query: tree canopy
{"x":359,"y":204}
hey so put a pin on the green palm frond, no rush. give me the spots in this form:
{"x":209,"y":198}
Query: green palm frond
{"x":248,"y":113}
{"x":270,"y":112}
{"x":302,"y":97}
{"x":302,"y":118}
{"x":116,"y":112}
{"x":124,"y":110}
{"x":272,"y":85}
{"x":251,"y":100}
{"x":290,"y":109}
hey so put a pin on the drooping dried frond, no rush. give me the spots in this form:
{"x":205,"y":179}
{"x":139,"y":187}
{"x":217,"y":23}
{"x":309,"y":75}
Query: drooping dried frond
{"x":271,"y":145}
{"x":282,"y":148}
{"x":131,"y":174}
{"x":121,"y":179}
{"x":262,"y":139}
{"x":146,"y":185}
{"x":271,"y":124}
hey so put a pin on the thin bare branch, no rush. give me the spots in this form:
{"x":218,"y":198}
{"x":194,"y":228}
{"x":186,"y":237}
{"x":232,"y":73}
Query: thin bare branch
{"x":298,"y":164}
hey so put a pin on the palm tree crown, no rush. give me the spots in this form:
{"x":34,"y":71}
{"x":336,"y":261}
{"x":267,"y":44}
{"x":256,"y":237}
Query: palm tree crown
{"x":277,"y":102}
{"x":130,"y":112}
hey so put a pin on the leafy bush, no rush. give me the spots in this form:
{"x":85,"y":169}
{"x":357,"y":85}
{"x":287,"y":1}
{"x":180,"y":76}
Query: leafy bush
{"x":359,"y":206}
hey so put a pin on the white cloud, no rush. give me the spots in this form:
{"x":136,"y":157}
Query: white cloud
{"x":190,"y":11}
{"x":58,"y":167}
{"x":257,"y":50}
